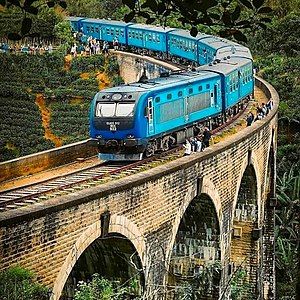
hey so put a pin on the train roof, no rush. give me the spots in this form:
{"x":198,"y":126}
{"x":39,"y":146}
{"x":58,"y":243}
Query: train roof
{"x":234,"y":51}
{"x":71,"y":18}
{"x":151,"y":27}
{"x":186,"y":34}
{"x":226,"y":66}
{"x":162,"y":82}
{"x":105,"y":22}
{"x":217,"y":43}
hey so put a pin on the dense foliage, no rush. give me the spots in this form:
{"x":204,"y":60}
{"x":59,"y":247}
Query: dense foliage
{"x":288,"y":234}
{"x":277,"y":52}
{"x":18,"y":283}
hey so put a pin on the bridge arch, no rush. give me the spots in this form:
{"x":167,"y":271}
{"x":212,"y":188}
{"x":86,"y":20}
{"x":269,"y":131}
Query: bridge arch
{"x":246,"y":232}
{"x":197,"y":252}
{"x":118,"y":224}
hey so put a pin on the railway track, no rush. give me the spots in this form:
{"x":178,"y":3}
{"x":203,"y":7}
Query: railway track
{"x":70,"y":183}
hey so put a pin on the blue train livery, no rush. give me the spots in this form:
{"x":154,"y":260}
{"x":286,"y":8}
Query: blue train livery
{"x":148,"y":36}
{"x":138,"y":119}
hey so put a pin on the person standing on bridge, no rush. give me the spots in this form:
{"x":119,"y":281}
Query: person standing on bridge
{"x":188,"y":147}
{"x":206,"y":137}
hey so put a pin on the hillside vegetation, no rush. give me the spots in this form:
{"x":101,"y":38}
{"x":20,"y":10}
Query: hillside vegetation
{"x":27,"y":121}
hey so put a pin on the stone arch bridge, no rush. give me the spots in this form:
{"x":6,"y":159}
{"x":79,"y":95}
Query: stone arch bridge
{"x":213,"y":209}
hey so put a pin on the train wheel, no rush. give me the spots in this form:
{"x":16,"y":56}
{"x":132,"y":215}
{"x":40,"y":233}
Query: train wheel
{"x":150,"y":149}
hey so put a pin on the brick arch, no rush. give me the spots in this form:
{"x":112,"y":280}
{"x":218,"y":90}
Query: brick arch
{"x":207,"y":187}
{"x":118,"y":224}
{"x":253,"y":161}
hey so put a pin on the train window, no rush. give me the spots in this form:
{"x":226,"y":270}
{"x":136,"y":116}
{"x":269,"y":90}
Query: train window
{"x":92,"y":29}
{"x":190,"y":91}
{"x":200,"y":88}
{"x":122,"y":32}
{"x":169,"y":96}
{"x":180,"y":94}
{"x":158,"y":38}
{"x":107,"y":31}
{"x":97,"y":29}
{"x":208,"y":86}
{"x":141,"y":36}
{"x":129,"y":34}
{"x":112,"y":31}
{"x":150,"y":37}
{"x":157,"y":99}
{"x":117,"y":31}
{"x":124,"y":109}
{"x":88,"y":28}
{"x":105,"y":109}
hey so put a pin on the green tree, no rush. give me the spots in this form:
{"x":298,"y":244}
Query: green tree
{"x":63,"y":31}
{"x":287,"y":233}
{"x":103,"y":289}
{"x":18,"y":283}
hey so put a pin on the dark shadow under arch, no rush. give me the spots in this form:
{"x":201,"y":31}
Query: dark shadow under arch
{"x":195,"y":260}
{"x":113,"y":257}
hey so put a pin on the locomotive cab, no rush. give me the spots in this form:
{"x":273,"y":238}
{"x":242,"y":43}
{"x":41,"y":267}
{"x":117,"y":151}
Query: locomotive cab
{"x":113,"y":126}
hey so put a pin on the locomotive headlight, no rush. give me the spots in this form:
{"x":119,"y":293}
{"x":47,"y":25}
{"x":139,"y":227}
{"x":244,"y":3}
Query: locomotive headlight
{"x":99,"y":136}
{"x":130,"y":136}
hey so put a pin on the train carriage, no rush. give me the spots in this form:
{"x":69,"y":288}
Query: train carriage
{"x":148,"y":36}
{"x":106,"y":30}
{"x":182,"y":44}
{"x":236,"y":78}
{"x":76,"y":23}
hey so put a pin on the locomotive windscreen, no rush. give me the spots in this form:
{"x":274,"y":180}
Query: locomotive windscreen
{"x":114,"y":109}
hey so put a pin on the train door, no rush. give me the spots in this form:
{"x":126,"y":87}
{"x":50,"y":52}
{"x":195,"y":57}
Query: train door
{"x":150,"y":116}
{"x":239,"y":83}
{"x":186,"y":105}
{"x":100,"y":32}
{"x":215,"y":94}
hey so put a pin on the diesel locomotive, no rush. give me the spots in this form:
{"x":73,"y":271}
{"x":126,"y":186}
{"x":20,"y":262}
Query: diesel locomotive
{"x":138,"y":119}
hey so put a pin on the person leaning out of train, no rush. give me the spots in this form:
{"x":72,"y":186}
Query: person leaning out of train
{"x":187,"y":147}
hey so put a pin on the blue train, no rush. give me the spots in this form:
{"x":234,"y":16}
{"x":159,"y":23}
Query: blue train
{"x":138,"y":119}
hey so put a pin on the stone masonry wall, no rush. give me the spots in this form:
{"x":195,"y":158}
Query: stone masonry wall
{"x":147,"y":207}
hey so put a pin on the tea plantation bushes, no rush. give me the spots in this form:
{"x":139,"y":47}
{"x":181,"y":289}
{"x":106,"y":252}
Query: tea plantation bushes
{"x":21,"y":130}
{"x":23,"y":76}
{"x":70,"y":121}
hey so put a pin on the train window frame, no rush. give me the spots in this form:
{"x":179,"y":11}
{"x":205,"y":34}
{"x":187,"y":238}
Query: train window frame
{"x":157,"y":99}
{"x":88,"y":28}
{"x":207,"y":86}
{"x":97,"y":29}
{"x":124,"y":105}
{"x":191,"y":91}
{"x":180,"y":93}
{"x":92,"y":29}
{"x":200,"y":88}
{"x":169,"y":96}
{"x":99,"y":113}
